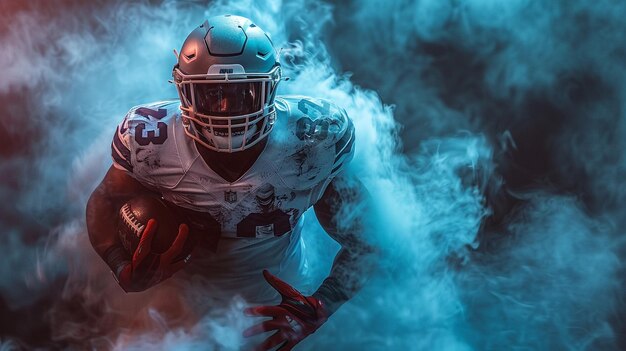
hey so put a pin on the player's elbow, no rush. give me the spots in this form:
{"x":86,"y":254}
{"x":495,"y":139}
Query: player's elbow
{"x":95,"y":205}
{"x":100,"y":219}
{"x":93,"y":209}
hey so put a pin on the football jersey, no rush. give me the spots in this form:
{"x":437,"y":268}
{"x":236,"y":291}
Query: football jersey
{"x":256,"y":219}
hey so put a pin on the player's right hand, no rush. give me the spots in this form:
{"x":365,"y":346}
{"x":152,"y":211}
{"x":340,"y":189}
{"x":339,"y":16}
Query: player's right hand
{"x":147,"y":268}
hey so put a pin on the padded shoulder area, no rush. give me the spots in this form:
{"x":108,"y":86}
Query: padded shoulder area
{"x":313,"y":120}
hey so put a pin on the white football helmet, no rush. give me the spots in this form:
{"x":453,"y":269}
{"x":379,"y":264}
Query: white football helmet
{"x":226,"y":76}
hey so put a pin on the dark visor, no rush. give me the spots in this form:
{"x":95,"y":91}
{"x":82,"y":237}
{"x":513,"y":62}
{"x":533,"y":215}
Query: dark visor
{"x":227,"y":99}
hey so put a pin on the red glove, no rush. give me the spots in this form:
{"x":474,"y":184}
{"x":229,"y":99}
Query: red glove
{"x":148,"y":268}
{"x":296,"y":317}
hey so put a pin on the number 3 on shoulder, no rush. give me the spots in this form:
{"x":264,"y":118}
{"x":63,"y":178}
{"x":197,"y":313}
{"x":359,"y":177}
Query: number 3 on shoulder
{"x":145,"y":136}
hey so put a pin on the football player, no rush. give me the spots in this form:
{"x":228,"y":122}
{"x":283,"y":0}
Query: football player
{"x":242,"y":165}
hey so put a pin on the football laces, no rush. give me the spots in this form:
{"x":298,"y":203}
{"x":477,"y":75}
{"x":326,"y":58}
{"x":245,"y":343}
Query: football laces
{"x":128,"y":217}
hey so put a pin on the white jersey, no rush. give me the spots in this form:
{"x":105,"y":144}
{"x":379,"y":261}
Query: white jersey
{"x":257,"y":218}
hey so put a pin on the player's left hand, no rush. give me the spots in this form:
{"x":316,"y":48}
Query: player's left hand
{"x":296,"y":317}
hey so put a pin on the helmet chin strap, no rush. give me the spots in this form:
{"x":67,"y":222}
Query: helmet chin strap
{"x":235,"y":141}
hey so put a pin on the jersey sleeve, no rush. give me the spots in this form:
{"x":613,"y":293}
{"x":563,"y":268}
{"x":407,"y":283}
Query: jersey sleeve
{"x":337,"y":147}
{"x":121,"y":147}
{"x":344,"y":145}
{"x":145,"y":127}
{"x":321,"y":143}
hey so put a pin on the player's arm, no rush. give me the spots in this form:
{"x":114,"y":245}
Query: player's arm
{"x":139,"y":270}
{"x":103,"y":206}
{"x":117,"y":187}
{"x":134,"y":271}
{"x":342,"y":212}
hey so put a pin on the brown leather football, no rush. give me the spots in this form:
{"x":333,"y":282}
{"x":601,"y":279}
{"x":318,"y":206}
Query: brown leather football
{"x":134,"y":216}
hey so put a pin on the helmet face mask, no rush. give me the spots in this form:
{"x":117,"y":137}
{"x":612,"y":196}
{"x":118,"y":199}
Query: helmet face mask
{"x":230,"y":107}
{"x":225,"y":112}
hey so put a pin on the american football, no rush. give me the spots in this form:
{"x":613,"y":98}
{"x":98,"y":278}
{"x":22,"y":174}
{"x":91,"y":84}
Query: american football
{"x":134,"y":216}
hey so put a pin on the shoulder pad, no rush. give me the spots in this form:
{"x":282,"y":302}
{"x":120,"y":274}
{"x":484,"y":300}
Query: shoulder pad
{"x":315,"y":120}
{"x":143,"y":126}
{"x":320,"y":124}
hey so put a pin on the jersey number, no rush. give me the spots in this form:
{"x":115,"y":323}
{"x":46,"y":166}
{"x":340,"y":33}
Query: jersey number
{"x":306,"y":128}
{"x":155,"y":136}
{"x":309,"y":129}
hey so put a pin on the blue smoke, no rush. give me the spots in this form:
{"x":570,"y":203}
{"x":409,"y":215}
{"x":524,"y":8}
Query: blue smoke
{"x":490,"y":134}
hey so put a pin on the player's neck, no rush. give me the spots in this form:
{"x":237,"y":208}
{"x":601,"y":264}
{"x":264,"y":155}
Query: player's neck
{"x":231,"y":166}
